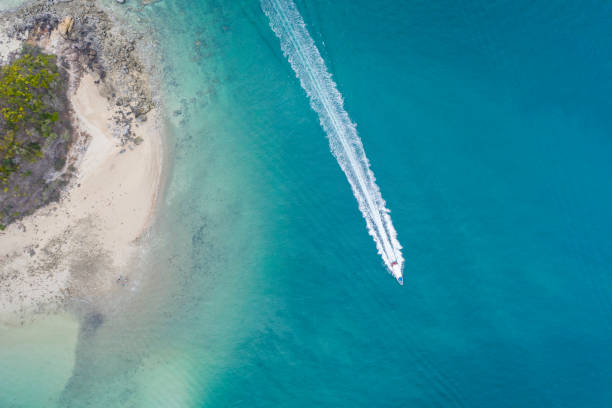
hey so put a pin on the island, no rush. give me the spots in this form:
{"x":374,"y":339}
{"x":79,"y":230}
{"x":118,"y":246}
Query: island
{"x":81,"y":157}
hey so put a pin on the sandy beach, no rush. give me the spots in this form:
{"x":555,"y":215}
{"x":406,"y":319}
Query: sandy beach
{"x":80,"y":245}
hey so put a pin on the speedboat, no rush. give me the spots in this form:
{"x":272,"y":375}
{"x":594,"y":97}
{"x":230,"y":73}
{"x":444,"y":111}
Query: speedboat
{"x":397,"y":272}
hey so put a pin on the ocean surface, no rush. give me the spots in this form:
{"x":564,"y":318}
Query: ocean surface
{"x":488,"y":127}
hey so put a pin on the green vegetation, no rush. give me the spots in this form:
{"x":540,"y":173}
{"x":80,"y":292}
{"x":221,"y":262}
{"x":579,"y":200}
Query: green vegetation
{"x":27,"y":88}
{"x":35,"y":134}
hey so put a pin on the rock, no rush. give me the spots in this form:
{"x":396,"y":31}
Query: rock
{"x":65,"y":27}
{"x":120,"y":1}
{"x":125,"y":131}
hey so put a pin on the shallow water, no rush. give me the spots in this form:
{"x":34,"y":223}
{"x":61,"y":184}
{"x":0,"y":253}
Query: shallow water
{"x":41,"y":353}
{"x":487,"y":126}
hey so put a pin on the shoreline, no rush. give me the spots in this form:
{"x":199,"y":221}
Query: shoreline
{"x":80,"y":247}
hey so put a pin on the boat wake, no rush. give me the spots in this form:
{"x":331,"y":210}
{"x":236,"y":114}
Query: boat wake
{"x":326,"y":100}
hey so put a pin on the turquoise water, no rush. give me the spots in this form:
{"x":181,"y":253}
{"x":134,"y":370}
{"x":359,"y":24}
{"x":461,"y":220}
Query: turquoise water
{"x":487,"y":125}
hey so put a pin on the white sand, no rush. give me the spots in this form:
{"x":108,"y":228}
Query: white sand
{"x":83,"y":243}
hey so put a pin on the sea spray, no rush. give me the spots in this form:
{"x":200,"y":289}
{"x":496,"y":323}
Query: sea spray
{"x":327,"y":102}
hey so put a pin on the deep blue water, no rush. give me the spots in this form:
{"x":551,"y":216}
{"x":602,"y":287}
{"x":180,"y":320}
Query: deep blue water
{"x":488,"y":127}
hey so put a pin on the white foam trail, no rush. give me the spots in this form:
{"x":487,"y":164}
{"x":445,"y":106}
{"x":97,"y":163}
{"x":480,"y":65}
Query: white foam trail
{"x":309,"y":67}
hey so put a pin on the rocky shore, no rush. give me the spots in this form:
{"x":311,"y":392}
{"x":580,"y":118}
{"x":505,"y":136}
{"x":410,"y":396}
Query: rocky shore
{"x":78,"y":246}
{"x":90,"y":42}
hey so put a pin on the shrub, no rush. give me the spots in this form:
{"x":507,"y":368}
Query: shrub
{"x":27,"y":88}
